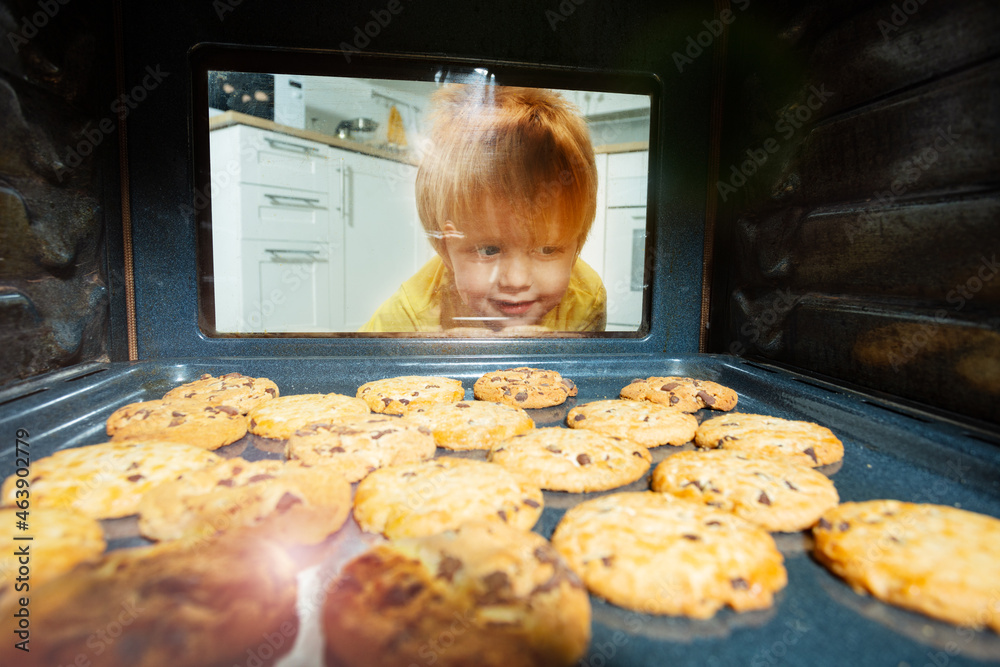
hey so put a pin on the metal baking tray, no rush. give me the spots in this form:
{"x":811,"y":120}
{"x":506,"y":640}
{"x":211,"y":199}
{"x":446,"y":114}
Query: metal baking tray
{"x":891,"y":451}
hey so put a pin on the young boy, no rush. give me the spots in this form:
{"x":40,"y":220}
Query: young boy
{"x":506,"y":192}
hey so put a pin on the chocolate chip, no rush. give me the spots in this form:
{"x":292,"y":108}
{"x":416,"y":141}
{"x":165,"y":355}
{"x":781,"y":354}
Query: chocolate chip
{"x":707,"y":398}
{"x":740,"y":584}
{"x":502,"y":515}
{"x":133,"y":466}
{"x":669,"y":386}
{"x":400,"y":595}
{"x":175,"y":422}
{"x":237,"y":470}
{"x":695,"y":483}
{"x":824,"y":524}
{"x":607,"y":561}
{"x":531,"y":503}
{"x":226,"y":409}
{"x":404,"y":401}
{"x":521,"y":396}
{"x":131,"y":478}
{"x":271,"y":391}
{"x":379,"y":434}
{"x":646,"y":418}
{"x":432,"y":386}
{"x":791,"y":486}
{"x":287,"y":501}
{"x":498,"y":450}
{"x":553,"y":449}
{"x":230,"y":375}
{"x":639,"y":454}
{"x":693,"y":538}
{"x":260,"y":478}
{"x":416,"y":393}
{"x":495,"y":378}
{"x":712,"y":523}
{"x":224,"y":482}
{"x":496,"y":584}
{"x":728,"y":438}
{"x":579,"y":417}
{"x":674,"y":400}
{"x":843,"y":526}
{"x":812,"y":454}
{"x":583,"y":459}
{"x":387,"y":401}
{"x":253,"y":424}
{"x":337,"y":450}
{"x":448,"y":566}
{"x":462,"y":405}
{"x":763,"y":499}
{"x":409,"y":474}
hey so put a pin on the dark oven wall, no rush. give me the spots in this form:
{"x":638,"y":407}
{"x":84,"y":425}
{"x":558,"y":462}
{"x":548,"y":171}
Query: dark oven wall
{"x":58,"y":182}
{"x":859,"y":222}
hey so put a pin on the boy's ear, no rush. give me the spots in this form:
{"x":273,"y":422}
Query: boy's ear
{"x":447,"y":229}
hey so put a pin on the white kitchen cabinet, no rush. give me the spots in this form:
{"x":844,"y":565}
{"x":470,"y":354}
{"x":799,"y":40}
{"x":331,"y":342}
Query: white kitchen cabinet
{"x":286,"y":287}
{"x":381,"y":231}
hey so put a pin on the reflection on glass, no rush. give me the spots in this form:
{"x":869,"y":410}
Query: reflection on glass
{"x":390,"y":206}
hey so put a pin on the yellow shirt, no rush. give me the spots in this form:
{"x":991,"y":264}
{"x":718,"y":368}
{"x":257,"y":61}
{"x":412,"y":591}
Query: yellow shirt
{"x":428,"y":301}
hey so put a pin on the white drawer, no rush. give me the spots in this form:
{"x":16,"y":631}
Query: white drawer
{"x":271,"y":158}
{"x":279,"y":213}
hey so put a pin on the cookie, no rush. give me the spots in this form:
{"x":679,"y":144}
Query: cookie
{"x":281,"y":417}
{"x":561,"y":459}
{"x":186,"y":420}
{"x":402,"y":395}
{"x":933,"y":559}
{"x":524,"y":387}
{"x":232,"y":389}
{"x":659,"y":554}
{"x":438,"y":495}
{"x":683,"y":393}
{"x":647,"y":423}
{"x":295,"y":503}
{"x":107,"y":480}
{"x":467,"y":425}
{"x":484,"y":594}
{"x":358,"y":447}
{"x":178,"y":603}
{"x":763,"y":436}
{"x":61,"y":539}
{"x":775,"y":494}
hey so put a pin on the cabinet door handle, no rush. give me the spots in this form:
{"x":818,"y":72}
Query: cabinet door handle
{"x":286,"y":200}
{"x":298,"y":256}
{"x":343,"y":194}
{"x":280,"y":145}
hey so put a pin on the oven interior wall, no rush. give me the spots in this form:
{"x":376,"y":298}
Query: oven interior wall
{"x":859,"y":218}
{"x":58,"y":184}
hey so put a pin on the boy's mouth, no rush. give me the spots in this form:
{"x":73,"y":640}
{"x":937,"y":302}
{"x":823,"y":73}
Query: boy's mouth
{"x":513,"y":308}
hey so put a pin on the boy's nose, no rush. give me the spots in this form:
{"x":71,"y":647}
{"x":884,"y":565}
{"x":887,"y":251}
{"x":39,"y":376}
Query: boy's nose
{"x":515,"y":274}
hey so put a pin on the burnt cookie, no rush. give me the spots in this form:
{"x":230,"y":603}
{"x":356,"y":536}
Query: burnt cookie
{"x":524,"y":387}
{"x":659,"y":554}
{"x":232,"y":389}
{"x":933,"y":559}
{"x":407,"y":393}
{"x":182,"y":420}
{"x":683,"y":393}
{"x":775,"y":494}
{"x":497,"y":595}
{"x":765,"y":436}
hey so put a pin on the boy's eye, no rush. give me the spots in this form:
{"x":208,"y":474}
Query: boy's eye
{"x":488,"y":250}
{"x":548,"y":250}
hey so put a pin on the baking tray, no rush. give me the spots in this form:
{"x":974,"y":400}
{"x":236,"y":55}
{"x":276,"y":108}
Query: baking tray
{"x":891,"y":451}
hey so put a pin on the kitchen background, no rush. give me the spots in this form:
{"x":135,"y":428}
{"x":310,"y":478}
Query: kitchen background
{"x":314,"y":220}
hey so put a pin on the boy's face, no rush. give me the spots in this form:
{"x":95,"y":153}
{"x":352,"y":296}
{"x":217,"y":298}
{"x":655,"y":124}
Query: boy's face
{"x":507,"y":280}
